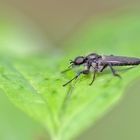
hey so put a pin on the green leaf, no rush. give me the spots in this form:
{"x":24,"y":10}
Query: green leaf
{"x":18,"y":125}
{"x":34,"y":84}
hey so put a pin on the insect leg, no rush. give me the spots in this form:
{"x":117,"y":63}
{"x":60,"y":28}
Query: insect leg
{"x":74,"y":78}
{"x":64,"y":71}
{"x":94,"y":75}
{"x":68,"y":69}
{"x":113,"y":71}
{"x":101,"y":70}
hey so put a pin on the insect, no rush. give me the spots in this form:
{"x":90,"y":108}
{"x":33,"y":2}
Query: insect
{"x":94,"y":63}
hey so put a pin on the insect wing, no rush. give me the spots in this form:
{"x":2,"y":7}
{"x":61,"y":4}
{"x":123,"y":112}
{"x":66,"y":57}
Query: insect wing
{"x":120,"y":60}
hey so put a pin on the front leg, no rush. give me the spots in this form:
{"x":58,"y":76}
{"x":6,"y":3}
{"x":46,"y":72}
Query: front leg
{"x":74,"y":78}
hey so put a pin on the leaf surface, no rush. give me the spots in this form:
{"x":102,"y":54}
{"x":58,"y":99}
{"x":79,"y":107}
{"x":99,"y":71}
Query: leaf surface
{"x":34,"y":83}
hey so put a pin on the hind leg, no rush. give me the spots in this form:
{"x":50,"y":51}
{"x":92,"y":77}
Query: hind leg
{"x":113,"y":71}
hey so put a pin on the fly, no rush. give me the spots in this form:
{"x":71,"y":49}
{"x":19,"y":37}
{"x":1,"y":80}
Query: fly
{"x":94,"y":63}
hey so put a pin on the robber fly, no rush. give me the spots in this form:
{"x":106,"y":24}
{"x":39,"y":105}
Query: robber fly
{"x":94,"y":63}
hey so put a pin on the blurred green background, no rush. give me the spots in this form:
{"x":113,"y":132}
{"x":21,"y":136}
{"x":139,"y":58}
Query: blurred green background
{"x":51,"y":24}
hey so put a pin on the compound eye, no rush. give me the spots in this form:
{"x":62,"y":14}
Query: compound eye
{"x":79,"y":60}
